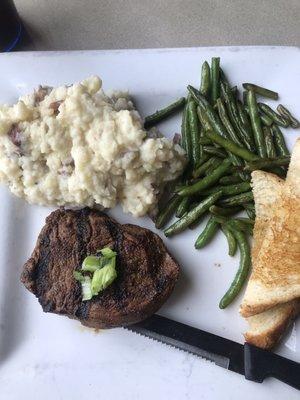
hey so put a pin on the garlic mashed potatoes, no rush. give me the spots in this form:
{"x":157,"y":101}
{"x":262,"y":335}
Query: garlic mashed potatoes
{"x":75,"y":146}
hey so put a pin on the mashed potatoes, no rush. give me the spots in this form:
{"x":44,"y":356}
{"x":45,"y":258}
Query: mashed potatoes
{"x":74,"y":146}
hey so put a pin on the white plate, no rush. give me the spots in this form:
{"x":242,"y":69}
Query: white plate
{"x":50,"y":357}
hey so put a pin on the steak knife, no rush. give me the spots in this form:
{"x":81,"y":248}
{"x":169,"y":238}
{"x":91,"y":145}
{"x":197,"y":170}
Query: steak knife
{"x":253,"y":363}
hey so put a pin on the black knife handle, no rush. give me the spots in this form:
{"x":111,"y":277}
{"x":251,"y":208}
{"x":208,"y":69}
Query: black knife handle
{"x":260,"y":364}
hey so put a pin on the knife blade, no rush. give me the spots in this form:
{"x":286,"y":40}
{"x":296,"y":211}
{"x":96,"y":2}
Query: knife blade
{"x":253,"y":363}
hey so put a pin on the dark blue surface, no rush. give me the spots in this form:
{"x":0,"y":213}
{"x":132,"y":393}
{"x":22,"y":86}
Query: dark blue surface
{"x":16,"y":40}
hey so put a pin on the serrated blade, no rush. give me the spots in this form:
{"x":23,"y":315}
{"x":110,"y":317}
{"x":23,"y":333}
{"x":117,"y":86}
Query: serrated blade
{"x":223,"y":352}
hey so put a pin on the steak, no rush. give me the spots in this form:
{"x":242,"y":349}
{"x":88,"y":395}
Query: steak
{"x":146,"y":272}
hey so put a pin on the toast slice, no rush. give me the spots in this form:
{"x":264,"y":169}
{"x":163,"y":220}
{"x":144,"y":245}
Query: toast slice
{"x":275,"y":278}
{"x":267,"y":190}
{"x":266,"y":329}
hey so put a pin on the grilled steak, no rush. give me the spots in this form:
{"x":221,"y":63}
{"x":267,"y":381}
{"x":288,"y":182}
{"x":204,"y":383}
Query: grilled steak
{"x":146,"y":272}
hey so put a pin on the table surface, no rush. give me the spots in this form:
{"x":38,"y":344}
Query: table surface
{"x":99,"y":24}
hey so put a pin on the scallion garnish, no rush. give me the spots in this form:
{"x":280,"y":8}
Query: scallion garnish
{"x":107,"y":252}
{"x":86,"y":287}
{"x":103,"y":270}
{"x":91,"y":263}
{"x":103,"y":277}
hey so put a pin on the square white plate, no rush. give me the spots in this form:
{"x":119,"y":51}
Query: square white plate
{"x":50,"y":357}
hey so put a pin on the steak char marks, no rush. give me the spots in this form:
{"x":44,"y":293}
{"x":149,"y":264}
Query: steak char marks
{"x":146,"y":272}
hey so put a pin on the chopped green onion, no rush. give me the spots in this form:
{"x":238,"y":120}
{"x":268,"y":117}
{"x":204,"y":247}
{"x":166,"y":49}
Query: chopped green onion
{"x":101,"y":271}
{"x":78,"y":276}
{"x":107,"y":252}
{"x":86,"y":287}
{"x":104,"y":262}
{"x":91,"y":263}
{"x":103,"y":277}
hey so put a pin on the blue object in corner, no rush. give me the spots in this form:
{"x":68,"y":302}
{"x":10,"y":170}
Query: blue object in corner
{"x":16,"y":40}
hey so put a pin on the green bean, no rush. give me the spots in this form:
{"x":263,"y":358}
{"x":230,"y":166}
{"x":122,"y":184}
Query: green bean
{"x":203,"y":167}
{"x":247,"y":228}
{"x":193,"y":205}
{"x":250,"y":213}
{"x":222,"y":219}
{"x":245,"y":176}
{"x":183,"y":184}
{"x":207,"y":181}
{"x":256,"y":124}
{"x":232,"y":147}
{"x":217,"y":162}
{"x":205,"y":141}
{"x":201,"y":136}
{"x":248,"y":221}
{"x":223,"y":212}
{"x":279,"y":171}
{"x":261,"y":91}
{"x":215,"y":151}
{"x":203,"y":120}
{"x":236,"y":224}
{"x":245,"y":98}
{"x":247,"y":138}
{"x":250,"y":210}
{"x":277,"y":118}
{"x":183,"y":207}
{"x":223,"y":77}
{"x":185,"y":176}
{"x":270,"y":147}
{"x":194,"y":129}
{"x":237,"y":199}
{"x":249,"y":206}
{"x":234,"y":91}
{"x":285,"y":113}
{"x":230,"y":240}
{"x":192,"y":215}
{"x":160,"y":115}
{"x":230,"y":179}
{"x":226,"y":122}
{"x":166,"y":213}
{"x":267,"y":121}
{"x":204,"y":158}
{"x":211,"y":119}
{"x":244,"y":119}
{"x":206,"y":111}
{"x":235,"y":170}
{"x":240,"y":225}
{"x":279,"y":141}
{"x":233,"y":113}
{"x":242,"y":273}
{"x":196,"y":223}
{"x":228,"y":189}
{"x":207,"y":234}
{"x":205,"y":79}
{"x":267,"y":163}
{"x":215,"y":79}
{"x":231,"y":105}
{"x":185,"y":133}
